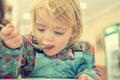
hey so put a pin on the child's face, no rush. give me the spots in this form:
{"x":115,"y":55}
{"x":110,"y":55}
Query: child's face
{"x":52,"y":31}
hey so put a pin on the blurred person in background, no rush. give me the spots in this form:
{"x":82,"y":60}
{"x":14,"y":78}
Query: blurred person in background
{"x":3,"y":9}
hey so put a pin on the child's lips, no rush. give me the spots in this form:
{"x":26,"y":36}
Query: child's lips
{"x":50,"y":47}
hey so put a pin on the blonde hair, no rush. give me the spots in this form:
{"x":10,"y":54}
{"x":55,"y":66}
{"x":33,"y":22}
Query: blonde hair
{"x":68,"y":9}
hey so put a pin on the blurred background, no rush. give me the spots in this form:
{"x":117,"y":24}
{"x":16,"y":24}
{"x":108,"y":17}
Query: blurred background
{"x":101,"y":20}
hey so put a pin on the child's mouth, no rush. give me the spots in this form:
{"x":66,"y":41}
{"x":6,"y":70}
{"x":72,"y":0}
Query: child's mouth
{"x":49,"y":47}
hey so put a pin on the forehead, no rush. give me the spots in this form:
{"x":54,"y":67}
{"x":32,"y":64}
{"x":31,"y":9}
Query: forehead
{"x":47,"y":17}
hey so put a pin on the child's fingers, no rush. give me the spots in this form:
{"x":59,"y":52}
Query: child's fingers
{"x":89,"y":78}
{"x":15,"y":42}
{"x":82,"y":77}
{"x":14,"y":34}
{"x":9,"y":28}
{"x":85,"y":77}
{"x":11,"y":36}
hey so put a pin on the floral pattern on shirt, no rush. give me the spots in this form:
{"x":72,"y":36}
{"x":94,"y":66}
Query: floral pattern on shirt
{"x":10,"y":67}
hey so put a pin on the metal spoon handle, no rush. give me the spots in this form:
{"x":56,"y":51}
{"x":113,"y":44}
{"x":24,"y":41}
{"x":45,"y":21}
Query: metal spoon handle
{"x":1,"y":26}
{"x":36,"y":46}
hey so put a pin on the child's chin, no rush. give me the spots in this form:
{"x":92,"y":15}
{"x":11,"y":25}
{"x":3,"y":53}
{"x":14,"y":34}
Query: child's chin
{"x":49,"y":53}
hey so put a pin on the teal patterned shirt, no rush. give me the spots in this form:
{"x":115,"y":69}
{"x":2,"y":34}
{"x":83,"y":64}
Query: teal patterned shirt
{"x":22,"y":61}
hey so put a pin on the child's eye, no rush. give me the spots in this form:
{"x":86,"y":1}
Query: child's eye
{"x":58,"y":33}
{"x":41,"y":30}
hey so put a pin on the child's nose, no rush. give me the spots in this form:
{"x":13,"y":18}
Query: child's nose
{"x":46,"y":43}
{"x":47,"y":39}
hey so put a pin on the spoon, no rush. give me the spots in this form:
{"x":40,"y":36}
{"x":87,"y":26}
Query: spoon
{"x":1,"y":26}
{"x":35,"y":45}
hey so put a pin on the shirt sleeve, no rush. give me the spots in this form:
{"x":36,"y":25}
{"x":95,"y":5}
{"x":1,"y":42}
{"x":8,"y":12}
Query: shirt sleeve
{"x":28,"y":58}
{"x":15,"y":62}
{"x":88,"y":66}
{"x":10,"y":60}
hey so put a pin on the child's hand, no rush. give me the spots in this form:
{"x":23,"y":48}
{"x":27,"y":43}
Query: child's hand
{"x":11,"y":36}
{"x":85,"y":77}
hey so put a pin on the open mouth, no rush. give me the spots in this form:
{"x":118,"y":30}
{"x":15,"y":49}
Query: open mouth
{"x":49,"y":47}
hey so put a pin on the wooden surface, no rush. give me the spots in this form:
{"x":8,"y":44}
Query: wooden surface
{"x":102,"y":70}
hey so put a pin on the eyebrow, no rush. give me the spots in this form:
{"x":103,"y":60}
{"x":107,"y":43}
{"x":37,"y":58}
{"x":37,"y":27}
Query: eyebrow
{"x":54,"y":27}
{"x":58,"y":27}
{"x":42,"y":25}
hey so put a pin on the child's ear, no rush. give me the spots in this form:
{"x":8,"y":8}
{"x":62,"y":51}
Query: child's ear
{"x":74,"y":33}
